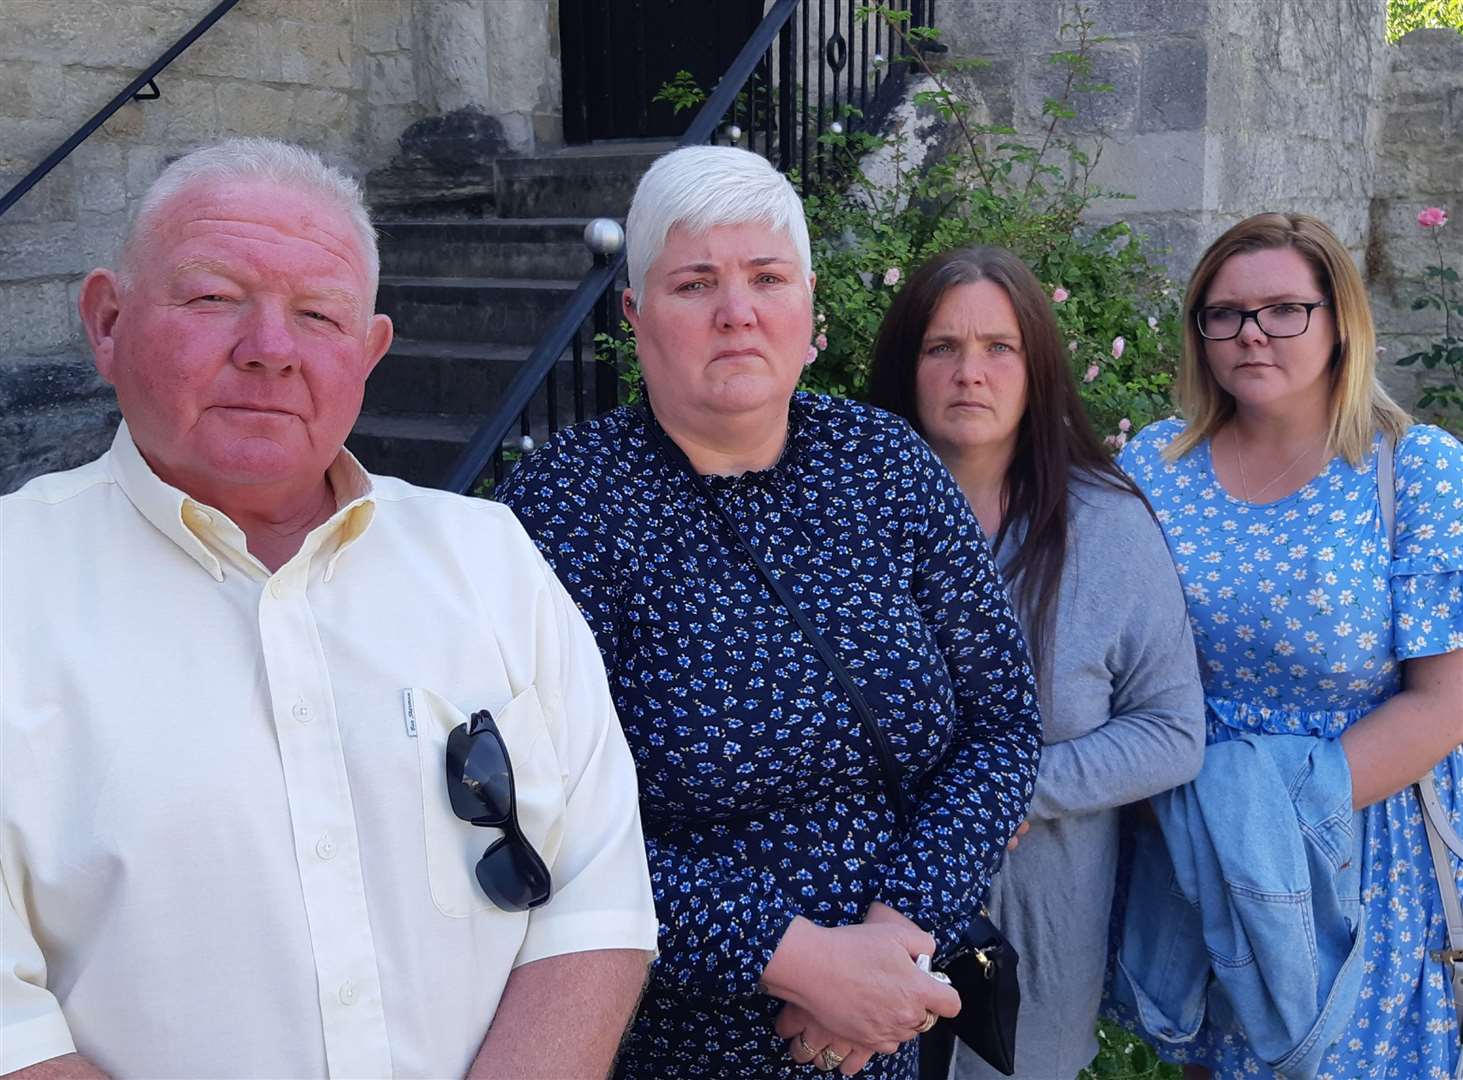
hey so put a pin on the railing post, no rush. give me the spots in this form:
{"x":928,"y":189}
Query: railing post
{"x":787,"y":75}
{"x":606,"y":371}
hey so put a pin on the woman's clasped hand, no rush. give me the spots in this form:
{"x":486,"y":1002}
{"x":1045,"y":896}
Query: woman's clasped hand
{"x":854,"y":991}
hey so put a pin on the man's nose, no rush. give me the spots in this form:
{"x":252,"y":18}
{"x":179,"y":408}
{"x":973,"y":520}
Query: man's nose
{"x":736,"y":307}
{"x":268,"y":342}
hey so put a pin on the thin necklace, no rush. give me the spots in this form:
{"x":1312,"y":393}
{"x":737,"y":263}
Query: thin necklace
{"x":1244,"y":482}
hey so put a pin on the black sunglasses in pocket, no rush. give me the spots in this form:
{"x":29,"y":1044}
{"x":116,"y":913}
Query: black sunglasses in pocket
{"x":480,"y":785}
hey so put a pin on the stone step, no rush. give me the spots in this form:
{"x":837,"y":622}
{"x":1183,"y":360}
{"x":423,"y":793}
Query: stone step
{"x":452,"y":377}
{"x":483,"y":310}
{"x":419,"y":447}
{"x":422,"y":447}
{"x":593,"y":181}
{"x":493,"y":247}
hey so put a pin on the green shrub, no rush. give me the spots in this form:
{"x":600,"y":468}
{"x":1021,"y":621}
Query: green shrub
{"x":992,"y":185}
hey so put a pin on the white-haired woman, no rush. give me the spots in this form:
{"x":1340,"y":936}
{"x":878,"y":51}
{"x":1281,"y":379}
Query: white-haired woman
{"x":801,"y":859}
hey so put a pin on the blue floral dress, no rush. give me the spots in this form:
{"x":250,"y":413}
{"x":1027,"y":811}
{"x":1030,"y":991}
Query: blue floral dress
{"x":762,"y":797}
{"x":1302,"y":610}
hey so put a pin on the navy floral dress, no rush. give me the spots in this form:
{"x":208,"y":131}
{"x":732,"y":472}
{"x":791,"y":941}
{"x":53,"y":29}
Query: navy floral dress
{"x":761,"y":795}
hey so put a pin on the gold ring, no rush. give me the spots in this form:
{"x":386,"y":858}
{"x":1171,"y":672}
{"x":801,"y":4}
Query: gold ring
{"x":803,"y":1043}
{"x":831,"y":1060}
{"x":930,"y":1020}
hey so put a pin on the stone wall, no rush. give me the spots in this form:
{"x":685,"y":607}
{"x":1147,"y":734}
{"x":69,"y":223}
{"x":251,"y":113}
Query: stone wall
{"x":1222,"y":109}
{"x":1420,"y":164}
{"x":344,"y":77}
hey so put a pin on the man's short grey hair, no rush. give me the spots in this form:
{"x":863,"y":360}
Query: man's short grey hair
{"x":248,"y":159}
{"x":703,"y":187}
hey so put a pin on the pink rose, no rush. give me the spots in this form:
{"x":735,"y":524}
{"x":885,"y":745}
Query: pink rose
{"x":1117,"y":442}
{"x":1092,"y":372}
{"x":1072,"y":346}
{"x":1060,"y":295}
{"x":892,"y":276}
{"x":821,"y":341}
{"x":1125,"y":424}
{"x":810,"y":355}
{"x":1118,"y":345}
{"x":1434,"y":217}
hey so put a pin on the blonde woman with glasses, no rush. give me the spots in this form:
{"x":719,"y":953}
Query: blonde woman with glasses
{"x":1318,"y":533}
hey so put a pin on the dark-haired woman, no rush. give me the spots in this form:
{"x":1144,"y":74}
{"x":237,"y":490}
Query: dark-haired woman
{"x":971,"y":355}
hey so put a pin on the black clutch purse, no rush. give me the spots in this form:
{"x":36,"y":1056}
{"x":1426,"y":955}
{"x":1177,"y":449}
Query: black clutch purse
{"x":984,"y":976}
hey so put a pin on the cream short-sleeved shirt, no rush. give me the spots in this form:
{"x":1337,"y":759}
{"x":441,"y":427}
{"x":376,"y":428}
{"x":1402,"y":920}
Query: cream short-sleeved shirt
{"x":225,"y":837}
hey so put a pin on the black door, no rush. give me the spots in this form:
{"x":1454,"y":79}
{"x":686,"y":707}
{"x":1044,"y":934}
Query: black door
{"x":616,"y":54}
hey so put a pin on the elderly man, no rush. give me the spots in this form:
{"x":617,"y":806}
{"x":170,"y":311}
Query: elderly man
{"x":248,"y":826}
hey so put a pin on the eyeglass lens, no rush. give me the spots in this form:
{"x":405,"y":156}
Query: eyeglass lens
{"x":513,"y":876}
{"x":479,"y":778}
{"x":1276,"y":320}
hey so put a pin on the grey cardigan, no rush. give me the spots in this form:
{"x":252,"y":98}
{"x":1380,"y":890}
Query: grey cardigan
{"x":1123,"y":718}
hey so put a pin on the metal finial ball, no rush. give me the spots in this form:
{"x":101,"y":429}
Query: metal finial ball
{"x":732,"y":132}
{"x":526,"y":444}
{"x":603,"y":236}
{"x":836,"y":128}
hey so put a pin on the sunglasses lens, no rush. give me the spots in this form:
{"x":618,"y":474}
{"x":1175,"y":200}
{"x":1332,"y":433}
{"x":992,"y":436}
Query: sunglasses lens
{"x":479,"y":780}
{"x":513,"y":876}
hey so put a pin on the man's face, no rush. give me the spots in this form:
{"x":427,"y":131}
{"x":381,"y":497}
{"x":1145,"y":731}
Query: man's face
{"x":241,"y":348}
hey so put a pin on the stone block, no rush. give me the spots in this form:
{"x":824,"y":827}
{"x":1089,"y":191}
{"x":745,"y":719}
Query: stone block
{"x":1174,"y":95}
{"x":229,"y":49}
{"x":317,"y":55}
{"x":59,"y":437}
{"x":321,"y":12}
{"x":1148,"y":17}
{"x":1162,"y":171}
{"x":46,"y":249}
{"x":100,"y":237}
{"x":998,"y":27}
{"x":321,"y":118}
{"x":27,"y":384}
{"x":97,"y":32}
{"x":381,"y":26}
{"x":25,"y":143}
{"x":53,"y":198}
{"x":37,"y":316}
{"x":256,"y":109}
{"x":144,"y":164}
{"x":1112,"y":112}
{"x":32,"y":91}
{"x":103,"y":190}
{"x":191,"y":116}
{"x":126,"y":123}
{"x":391,"y":80}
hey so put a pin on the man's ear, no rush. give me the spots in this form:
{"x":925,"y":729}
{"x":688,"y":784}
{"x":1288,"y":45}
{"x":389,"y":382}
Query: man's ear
{"x":100,"y":304}
{"x":627,"y":301}
{"x":379,"y":334}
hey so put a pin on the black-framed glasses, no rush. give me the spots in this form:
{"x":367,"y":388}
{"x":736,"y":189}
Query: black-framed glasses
{"x":480,"y":785}
{"x":1274,"y":320}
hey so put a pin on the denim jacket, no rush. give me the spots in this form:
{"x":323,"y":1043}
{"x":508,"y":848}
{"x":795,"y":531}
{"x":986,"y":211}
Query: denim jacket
{"x":1245,"y":901}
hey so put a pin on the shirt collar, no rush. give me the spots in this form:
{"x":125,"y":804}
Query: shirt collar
{"x":201,"y":530}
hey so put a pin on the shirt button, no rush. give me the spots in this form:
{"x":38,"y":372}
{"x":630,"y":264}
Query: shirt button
{"x":325,"y":847}
{"x":347,"y":993}
{"x":275,"y":588}
{"x":302,"y":712}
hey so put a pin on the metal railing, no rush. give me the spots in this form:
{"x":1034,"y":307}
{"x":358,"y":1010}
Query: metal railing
{"x":777,"y":99}
{"x":142,"y":88}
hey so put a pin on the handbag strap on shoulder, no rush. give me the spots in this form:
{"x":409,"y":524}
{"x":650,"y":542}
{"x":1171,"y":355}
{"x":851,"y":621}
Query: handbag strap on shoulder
{"x":890,"y":767}
{"x":1441,"y":837}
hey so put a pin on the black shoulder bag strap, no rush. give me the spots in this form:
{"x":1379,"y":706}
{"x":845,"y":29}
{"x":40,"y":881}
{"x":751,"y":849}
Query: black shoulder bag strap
{"x":678,"y":458}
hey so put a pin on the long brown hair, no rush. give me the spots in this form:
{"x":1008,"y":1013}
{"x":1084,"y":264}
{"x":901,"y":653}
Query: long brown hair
{"x":1054,"y":440}
{"x":1359,"y":405}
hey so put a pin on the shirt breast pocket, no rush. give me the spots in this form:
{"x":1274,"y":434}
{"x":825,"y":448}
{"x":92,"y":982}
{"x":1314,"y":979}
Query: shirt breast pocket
{"x":454,"y":846}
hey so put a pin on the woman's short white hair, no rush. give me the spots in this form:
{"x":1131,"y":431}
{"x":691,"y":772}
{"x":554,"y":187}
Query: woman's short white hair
{"x":702,"y":187}
{"x":246,"y":159}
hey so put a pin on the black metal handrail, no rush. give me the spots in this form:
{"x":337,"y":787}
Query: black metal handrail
{"x":133,"y":90}
{"x":784,"y":131}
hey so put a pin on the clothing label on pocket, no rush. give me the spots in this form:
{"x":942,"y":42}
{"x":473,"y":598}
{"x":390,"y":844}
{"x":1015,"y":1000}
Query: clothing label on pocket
{"x":409,"y":711}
